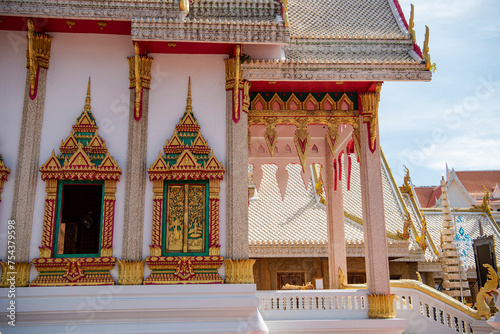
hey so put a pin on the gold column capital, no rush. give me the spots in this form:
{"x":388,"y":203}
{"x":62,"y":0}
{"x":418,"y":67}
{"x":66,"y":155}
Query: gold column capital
{"x":130,"y":272}
{"x":239,"y":271}
{"x":19,"y":274}
{"x":37,"y":54}
{"x":381,"y":306}
{"x":235,"y":82}
{"x":139,"y":76}
{"x":370,"y":102}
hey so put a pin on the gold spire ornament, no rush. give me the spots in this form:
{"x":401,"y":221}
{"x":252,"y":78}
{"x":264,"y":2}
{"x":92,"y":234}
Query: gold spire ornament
{"x":189,"y":107}
{"x":87,"y":99}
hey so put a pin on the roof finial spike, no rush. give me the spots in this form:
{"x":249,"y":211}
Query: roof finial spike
{"x":87,"y":99}
{"x":189,"y":108}
{"x":411,"y":28}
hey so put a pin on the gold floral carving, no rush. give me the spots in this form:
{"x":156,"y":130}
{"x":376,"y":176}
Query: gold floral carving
{"x":271,"y":135}
{"x":235,"y":82}
{"x":4,"y":173}
{"x":130,"y":272}
{"x":73,"y":271}
{"x":381,"y":306}
{"x":302,"y":141}
{"x":139,"y":76}
{"x":370,"y":102}
{"x":332,"y":137}
{"x":326,"y":107}
{"x":37,"y":55}
{"x":302,"y":118}
{"x":15,"y":273}
{"x":187,"y":158}
{"x":84,"y":156}
{"x":239,"y":271}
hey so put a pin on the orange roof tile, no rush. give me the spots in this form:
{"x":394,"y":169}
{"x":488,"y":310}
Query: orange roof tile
{"x":427,"y":196}
{"x":473,"y":181}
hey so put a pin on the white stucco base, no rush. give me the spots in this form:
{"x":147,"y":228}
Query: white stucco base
{"x":351,"y":326}
{"x":132,"y":309}
{"x":158,"y":309}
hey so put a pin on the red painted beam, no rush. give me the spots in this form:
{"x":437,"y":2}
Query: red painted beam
{"x":48,"y":25}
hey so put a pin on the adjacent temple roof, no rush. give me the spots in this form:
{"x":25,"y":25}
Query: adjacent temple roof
{"x":476,"y":181}
{"x":428,"y":196}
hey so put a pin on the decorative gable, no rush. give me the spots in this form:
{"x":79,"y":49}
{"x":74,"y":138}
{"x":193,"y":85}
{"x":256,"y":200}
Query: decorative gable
{"x":84,"y":155}
{"x":187,"y":154}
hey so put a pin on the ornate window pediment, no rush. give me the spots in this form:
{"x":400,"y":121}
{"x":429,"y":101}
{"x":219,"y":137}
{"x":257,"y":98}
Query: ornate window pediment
{"x":185,"y":240}
{"x":79,"y":209}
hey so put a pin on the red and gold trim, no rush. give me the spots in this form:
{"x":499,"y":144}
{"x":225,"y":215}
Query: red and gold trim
{"x":84,"y":156}
{"x":74,"y":271}
{"x":185,"y":160}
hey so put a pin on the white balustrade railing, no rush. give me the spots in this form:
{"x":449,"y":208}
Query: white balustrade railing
{"x":427,"y":314}
{"x":313,"y":304}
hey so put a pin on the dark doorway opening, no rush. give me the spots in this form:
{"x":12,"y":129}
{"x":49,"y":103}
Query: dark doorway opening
{"x":80,"y":219}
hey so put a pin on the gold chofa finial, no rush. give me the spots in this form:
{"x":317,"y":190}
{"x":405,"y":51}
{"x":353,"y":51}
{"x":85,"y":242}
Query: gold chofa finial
{"x":189,"y":108}
{"x":427,"y":56}
{"x":411,"y":28}
{"x":87,"y":99}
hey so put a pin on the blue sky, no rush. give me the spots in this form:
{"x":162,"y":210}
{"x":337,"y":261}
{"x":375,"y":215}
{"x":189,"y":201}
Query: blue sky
{"x":455,"y":118}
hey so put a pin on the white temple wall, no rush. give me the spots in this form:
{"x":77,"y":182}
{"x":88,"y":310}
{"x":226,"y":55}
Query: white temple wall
{"x":75,"y":57}
{"x":12,"y":84}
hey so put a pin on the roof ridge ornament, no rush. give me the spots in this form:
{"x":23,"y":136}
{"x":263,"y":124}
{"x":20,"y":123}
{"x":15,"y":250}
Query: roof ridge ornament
{"x":427,"y":56}
{"x":411,"y":28}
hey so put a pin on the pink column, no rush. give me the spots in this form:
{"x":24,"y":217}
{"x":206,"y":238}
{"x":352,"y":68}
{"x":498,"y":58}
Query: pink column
{"x":376,"y":258}
{"x":335,"y":220}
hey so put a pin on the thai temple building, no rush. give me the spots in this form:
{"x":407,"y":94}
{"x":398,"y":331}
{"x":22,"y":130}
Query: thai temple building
{"x":214,"y":166}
